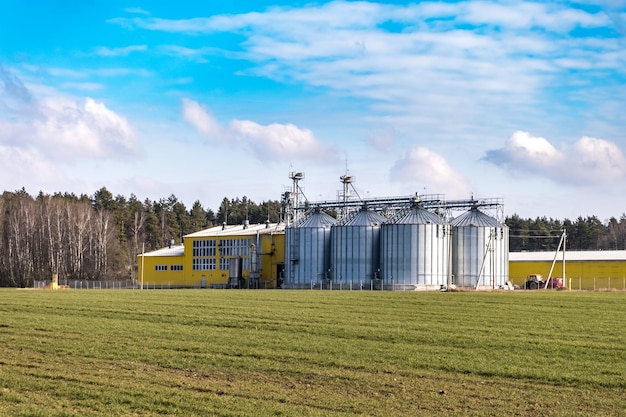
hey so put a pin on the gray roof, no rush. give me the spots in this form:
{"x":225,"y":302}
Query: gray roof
{"x":474,"y":217}
{"x":364,"y":217}
{"x":178,"y":250}
{"x":239,"y":230}
{"x":417,"y":215}
{"x":316,"y":220}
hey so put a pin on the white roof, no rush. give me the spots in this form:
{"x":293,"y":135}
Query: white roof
{"x":239,"y":230}
{"x":178,"y":250}
{"x":602,"y":255}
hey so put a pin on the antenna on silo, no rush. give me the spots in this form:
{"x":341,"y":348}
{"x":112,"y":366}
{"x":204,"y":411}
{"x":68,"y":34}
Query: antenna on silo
{"x":294,"y":197}
{"x":347,"y":180}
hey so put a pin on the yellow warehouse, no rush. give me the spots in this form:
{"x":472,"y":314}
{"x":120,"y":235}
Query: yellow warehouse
{"x":585,"y":270}
{"x":228,"y":256}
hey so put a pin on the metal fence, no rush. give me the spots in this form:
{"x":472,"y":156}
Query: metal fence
{"x":597,"y":283}
{"x":571,"y":283}
{"x":84,"y":284}
{"x":587,"y":283}
{"x":80,"y":284}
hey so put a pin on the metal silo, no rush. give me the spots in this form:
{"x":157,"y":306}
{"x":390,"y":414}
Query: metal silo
{"x":414,"y":251}
{"x":307,"y":247}
{"x":480,"y":251}
{"x":355,"y":250}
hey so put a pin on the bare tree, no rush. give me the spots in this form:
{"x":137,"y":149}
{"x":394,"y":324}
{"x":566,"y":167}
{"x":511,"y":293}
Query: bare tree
{"x":20,"y":226}
{"x":78,"y":218}
{"x":101,"y":237}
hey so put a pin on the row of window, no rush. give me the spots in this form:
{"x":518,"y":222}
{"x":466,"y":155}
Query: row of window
{"x":235,"y":247}
{"x":203,"y":248}
{"x":164,"y":267}
{"x":227,"y":247}
{"x":209,"y":264}
{"x":204,"y":251}
{"x":203,"y":264}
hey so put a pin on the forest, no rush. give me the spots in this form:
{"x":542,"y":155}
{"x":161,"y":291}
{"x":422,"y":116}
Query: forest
{"x":98,"y":237}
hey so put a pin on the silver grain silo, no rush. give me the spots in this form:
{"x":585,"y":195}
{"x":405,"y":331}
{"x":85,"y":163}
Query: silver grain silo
{"x":355,"y":250}
{"x":480,"y":251}
{"x":414,"y":251}
{"x":307,"y":247}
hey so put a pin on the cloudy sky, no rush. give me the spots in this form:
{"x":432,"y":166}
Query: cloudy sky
{"x":518,"y":100}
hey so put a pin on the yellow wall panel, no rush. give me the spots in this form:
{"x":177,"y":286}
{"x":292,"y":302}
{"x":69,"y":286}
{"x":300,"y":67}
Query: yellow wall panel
{"x":590,"y":275}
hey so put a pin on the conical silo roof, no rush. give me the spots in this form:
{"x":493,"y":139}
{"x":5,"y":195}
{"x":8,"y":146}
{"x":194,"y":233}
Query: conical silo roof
{"x":417,"y":215}
{"x":317,"y":219}
{"x":364,"y":217}
{"x":474,"y":217}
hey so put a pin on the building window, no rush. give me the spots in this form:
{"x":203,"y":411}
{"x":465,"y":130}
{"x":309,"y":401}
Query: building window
{"x":176,"y":267}
{"x":203,"y":264}
{"x":224,"y":263}
{"x":235,"y":247}
{"x":160,"y":267}
{"x":203,"y":255}
{"x":203,"y":248}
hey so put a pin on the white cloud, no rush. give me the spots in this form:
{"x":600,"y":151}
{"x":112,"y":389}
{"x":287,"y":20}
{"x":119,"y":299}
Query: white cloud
{"x":598,"y":160}
{"x":523,"y":149}
{"x":270,"y":142}
{"x":419,"y":64}
{"x":382,"y":140}
{"x":30,"y":166}
{"x":430,"y":170}
{"x":62,"y":72}
{"x":123,"y":51}
{"x":64,"y":128}
{"x":94,"y":72}
{"x":197,"y":55}
{"x":528,"y":15}
{"x":202,"y":120}
{"x":460,"y":73}
{"x":615,"y":10}
{"x":83,"y":86}
{"x":12,"y":90}
{"x":279,"y":141}
{"x":590,"y":161}
{"x":69,"y":128}
{"x":342,"y":14}
{"x":137,"y":10}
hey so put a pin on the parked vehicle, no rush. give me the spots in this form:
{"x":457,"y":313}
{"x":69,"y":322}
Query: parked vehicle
{"x":536,"y":282}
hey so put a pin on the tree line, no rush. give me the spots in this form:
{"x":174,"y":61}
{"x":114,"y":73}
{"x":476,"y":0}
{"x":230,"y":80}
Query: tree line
{"x":99,"y":236}
{"x":584,"y":233}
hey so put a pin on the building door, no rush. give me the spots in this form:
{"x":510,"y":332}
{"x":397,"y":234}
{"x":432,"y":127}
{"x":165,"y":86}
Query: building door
{"x":280,"y":275}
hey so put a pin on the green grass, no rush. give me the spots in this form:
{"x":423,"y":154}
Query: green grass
{"x":311,"y":353}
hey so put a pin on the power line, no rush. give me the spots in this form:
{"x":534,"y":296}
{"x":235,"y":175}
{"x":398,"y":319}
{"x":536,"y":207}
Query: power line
{"x":535,"y":237}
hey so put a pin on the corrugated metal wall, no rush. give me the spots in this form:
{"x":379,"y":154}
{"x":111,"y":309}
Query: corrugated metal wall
{"x":355,"y":249}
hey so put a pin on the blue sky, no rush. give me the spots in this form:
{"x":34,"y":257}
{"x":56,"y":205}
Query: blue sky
{"x":523,"y":101}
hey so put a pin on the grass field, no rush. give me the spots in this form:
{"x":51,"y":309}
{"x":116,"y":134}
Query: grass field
{"x":311,"y":353}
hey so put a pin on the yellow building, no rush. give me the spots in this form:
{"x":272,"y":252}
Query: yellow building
{"x":586,"y":270}
{"x":229,"y":256}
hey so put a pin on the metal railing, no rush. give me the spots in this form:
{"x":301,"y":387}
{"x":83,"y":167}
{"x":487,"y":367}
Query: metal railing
{"x":87,"y":284}
{"x":571,"y":283}
{"x":586,"y":283}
